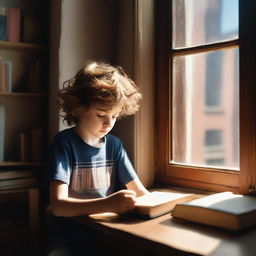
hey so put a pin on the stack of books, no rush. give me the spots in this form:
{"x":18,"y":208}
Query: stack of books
{"x":14,"y":179}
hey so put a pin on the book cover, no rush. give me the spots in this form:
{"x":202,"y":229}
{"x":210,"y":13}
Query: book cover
{"x":3,"y":76}
{"x":18,"y":183}
{"x":2,"y":132}
{"x":13,"y":24}
{"x":15,"y":174}
{"x":224,"y":210}
{"x":1,"y":60}
{"x":7,"y":82}
{"x":3,"y":24}
{"x":30,"y":29}
{"x":23,"y":144}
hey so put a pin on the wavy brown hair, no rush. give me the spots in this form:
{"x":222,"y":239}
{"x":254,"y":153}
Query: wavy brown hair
{"x":98,"y":83}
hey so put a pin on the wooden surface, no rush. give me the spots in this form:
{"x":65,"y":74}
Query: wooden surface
{"x":164,"y":236}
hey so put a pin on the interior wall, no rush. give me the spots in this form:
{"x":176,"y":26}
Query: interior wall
{"x":81,"y":30}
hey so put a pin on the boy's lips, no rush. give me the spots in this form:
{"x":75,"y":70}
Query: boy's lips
{"x":104,"y":131}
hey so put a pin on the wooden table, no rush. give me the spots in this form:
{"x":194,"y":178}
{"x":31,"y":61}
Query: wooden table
{"x":165,"y":236}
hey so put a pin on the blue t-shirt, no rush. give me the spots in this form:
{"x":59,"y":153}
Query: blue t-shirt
{"x":90,"y":172}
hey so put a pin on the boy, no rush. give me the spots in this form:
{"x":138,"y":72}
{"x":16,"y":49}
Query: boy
{"x":89,"y":168}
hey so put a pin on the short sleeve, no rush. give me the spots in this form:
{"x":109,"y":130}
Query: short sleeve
{"x":59,"y":162}
{"x":125,"y":170}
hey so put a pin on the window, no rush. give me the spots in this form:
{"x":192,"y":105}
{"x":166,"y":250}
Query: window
{"x":206,"y":96}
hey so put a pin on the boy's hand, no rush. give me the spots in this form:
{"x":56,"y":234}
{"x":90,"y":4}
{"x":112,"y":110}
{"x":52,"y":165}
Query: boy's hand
{"x":121,"y":201}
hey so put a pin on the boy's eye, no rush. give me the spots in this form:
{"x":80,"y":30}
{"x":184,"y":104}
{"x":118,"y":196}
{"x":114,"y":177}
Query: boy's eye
{"x":100,"y":115}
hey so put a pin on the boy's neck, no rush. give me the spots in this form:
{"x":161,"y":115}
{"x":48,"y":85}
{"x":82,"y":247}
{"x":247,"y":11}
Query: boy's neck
{"x":88,"y":138}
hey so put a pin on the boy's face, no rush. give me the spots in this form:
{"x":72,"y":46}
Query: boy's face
{"x":98,"y":120}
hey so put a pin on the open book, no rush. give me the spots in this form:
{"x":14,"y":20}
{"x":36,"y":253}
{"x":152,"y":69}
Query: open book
{"x":224,"y":210}
{"x":151,"y":205}
{"x":158,"y":203}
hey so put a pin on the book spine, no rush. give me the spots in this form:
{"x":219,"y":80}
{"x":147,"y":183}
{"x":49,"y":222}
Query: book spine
{"x":7,"y":83}
{"x":9,"y":71}
{"x":18,"y":183}
{"x":2,"y":132}
{"x":1,"y":86}
{"x":4,"y":82}
{"x":6,"y":175}
{"x":13,"y":23}
{"x":3,"y":24}
{"x":23,"y":146}
{"x":30,"y":144}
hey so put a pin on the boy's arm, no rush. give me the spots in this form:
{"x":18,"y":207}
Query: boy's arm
{"x":137,"y":187}
{"x":63,"y":205}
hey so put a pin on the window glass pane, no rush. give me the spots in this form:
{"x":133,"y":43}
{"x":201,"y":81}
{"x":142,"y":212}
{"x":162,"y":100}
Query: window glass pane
{"x":200,"y":22}
{"x":205,"y":109}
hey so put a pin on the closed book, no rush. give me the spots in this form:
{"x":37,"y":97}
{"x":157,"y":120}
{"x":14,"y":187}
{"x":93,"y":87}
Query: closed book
{"x":3,"y":24}
{"x":15,"y":174}
{"x":3,"y":76}
{"x":2,"y":132}
{"x":1,"y":88}
{"x":13,"y":24}
{"x":7,"y":76}
{"x":23,"y":143}
{"x":30,"y":29}
{"x":18,"y":183}
{"x":158,"y":203}
{"x":223,"y":210}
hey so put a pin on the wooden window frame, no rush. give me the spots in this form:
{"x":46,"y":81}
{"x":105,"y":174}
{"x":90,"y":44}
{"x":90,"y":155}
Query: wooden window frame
{"x":243,"y":181}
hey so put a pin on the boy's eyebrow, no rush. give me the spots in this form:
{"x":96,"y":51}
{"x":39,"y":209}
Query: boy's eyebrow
{"x":101,"y":109}
{"x":105,"y":110}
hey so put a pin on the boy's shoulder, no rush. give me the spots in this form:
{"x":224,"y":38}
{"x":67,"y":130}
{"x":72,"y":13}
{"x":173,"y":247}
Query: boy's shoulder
{"x":63,"y":135}
{"x":113,"y":139}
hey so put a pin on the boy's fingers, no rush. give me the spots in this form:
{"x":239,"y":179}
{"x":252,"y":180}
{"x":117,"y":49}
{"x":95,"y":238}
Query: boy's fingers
{"x":130,"y":192}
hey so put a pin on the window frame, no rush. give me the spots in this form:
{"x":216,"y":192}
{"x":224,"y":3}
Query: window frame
{"x":211,"y":179}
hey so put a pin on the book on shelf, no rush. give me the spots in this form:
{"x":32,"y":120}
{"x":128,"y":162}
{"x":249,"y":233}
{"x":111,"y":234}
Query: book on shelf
{"x":30,"y":29}
{"x":5,"y":75}
{"x":13,"y":24}
{"x":15,"y":174}
{"x":223,"y":210}
{"x":3,"y":24}
{"x":23,"y":146}
{"x":18,"y":183}
{"x":30,"y":144}
{"x":10,"y":24}
{"x":13,"y":179}
{"x":158,"y":203}
{"x":2,"y":132}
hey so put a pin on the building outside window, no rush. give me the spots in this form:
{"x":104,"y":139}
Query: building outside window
{"x":199,"y":92}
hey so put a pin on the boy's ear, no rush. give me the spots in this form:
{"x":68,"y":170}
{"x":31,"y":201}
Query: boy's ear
{"x":79,"y":111}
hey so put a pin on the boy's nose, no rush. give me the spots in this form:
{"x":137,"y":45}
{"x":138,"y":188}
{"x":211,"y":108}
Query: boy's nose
{"x":107,"y":122}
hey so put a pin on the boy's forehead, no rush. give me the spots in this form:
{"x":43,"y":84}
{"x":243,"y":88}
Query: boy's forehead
{"x":104,"y":108}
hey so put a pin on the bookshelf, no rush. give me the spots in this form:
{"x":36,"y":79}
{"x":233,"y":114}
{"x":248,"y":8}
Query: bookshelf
{"x":23,"y":118}
{"x":22,"y":46}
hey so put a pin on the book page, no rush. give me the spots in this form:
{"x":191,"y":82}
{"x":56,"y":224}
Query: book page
{"x":157,"y":198}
